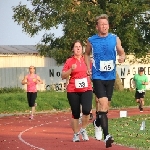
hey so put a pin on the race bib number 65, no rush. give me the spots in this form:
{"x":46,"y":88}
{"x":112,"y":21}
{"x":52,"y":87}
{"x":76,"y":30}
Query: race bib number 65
{"x":81,"y":83}
{"x":106,"y":65}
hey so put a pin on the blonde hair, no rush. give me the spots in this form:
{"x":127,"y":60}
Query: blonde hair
{"x":102,"y":16}
{"x":32,"y":67}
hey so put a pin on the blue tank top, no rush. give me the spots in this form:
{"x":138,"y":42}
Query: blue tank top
{"x":104,"y":56}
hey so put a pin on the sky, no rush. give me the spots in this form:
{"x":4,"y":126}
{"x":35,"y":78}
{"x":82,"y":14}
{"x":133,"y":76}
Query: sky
{"x":11,"y":33}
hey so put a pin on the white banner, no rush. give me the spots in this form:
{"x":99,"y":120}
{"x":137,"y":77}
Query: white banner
{"x":51,"y":76}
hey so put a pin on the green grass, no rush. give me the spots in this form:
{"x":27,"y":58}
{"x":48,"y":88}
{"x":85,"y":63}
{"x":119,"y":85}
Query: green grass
{"x":14,"y":100}
{"x":126,"y":131}
{"x":52,"y":100}
{"x":47,"y":101}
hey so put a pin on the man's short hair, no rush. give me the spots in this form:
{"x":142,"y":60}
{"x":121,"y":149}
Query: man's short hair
{"x":102,"y":16}
{"x":141,"y":69}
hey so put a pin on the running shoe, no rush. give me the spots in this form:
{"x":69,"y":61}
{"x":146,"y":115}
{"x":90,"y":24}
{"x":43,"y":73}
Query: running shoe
{"x":141,"y":109}
{"x":108,"y":141}
{"x":84,"y":134}
{"x":98,"y":131}
{"x":76,"y":138}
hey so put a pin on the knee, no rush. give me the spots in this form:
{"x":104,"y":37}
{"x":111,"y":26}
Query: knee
{"x":104,"y":107}
{"x":86,"y":112}
{"x":75,"y":115}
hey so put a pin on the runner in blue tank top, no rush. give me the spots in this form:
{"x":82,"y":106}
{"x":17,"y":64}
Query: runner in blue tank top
{"x":104,"y":47}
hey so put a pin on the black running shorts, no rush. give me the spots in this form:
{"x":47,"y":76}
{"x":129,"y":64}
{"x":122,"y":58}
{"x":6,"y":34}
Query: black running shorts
{"x":31,"y":97}
{"x":76,"y":99}
{"x":139,"y":95}
{"x":103,"y":88}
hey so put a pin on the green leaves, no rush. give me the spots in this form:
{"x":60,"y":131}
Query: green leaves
{"x":127,"y":20}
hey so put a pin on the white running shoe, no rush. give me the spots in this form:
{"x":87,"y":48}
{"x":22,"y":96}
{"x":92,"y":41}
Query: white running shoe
{"x":76,"y":137}
{"x":109,"y":140}
{"x":84,"y":134}
{"x":98,"y":131}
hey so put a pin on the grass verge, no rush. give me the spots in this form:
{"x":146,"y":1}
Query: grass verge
{"x":46,"y":101}
{"x":16,"y":101}
{"x":126,"y":131}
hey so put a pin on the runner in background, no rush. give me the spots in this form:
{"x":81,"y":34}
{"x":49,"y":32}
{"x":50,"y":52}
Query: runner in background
{"x":140,"y":81}
{"x":31,"y":80}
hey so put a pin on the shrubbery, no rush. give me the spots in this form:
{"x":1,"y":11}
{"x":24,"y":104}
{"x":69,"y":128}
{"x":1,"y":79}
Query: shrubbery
{"x":11,"y":90}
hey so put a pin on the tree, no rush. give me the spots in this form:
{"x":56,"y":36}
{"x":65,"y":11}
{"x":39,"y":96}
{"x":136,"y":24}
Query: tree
{"x":77,"y":18}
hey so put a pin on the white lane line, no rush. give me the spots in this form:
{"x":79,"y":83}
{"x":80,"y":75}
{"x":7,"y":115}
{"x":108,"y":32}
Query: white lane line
{"x":21,"y":133}
{"x":21,"y":139}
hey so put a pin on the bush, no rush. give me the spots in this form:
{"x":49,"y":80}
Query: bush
{"x":11,"y":90}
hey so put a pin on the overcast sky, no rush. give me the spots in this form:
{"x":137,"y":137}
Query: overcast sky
{"x":10,"y":32}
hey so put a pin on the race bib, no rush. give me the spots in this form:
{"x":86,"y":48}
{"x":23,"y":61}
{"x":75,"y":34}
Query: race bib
{"x":106,"y":65}
{"x":81,"y":83}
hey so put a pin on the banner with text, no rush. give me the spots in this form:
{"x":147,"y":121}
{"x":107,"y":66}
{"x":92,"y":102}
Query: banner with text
{"x":12,"y":77}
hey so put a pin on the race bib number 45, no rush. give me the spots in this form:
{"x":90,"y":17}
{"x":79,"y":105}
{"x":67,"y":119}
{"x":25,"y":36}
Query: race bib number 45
{"x":81,"y":83}
{"x":106,"y":65}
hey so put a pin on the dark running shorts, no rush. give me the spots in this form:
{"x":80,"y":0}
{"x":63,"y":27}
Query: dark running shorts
{"x":76,"y":99}
{"x":139,"y":95}
{"x":31,"y":96}
{"x":103,"y":88}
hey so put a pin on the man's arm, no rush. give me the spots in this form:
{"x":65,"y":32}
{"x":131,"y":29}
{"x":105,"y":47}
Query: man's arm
{"x":133,"y":82}
{"x":146,"y":81}
{"x":87,"y":56}
{"x":120,"y":51}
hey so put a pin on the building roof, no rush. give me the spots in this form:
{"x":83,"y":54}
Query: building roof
{"x":18,"y":49}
